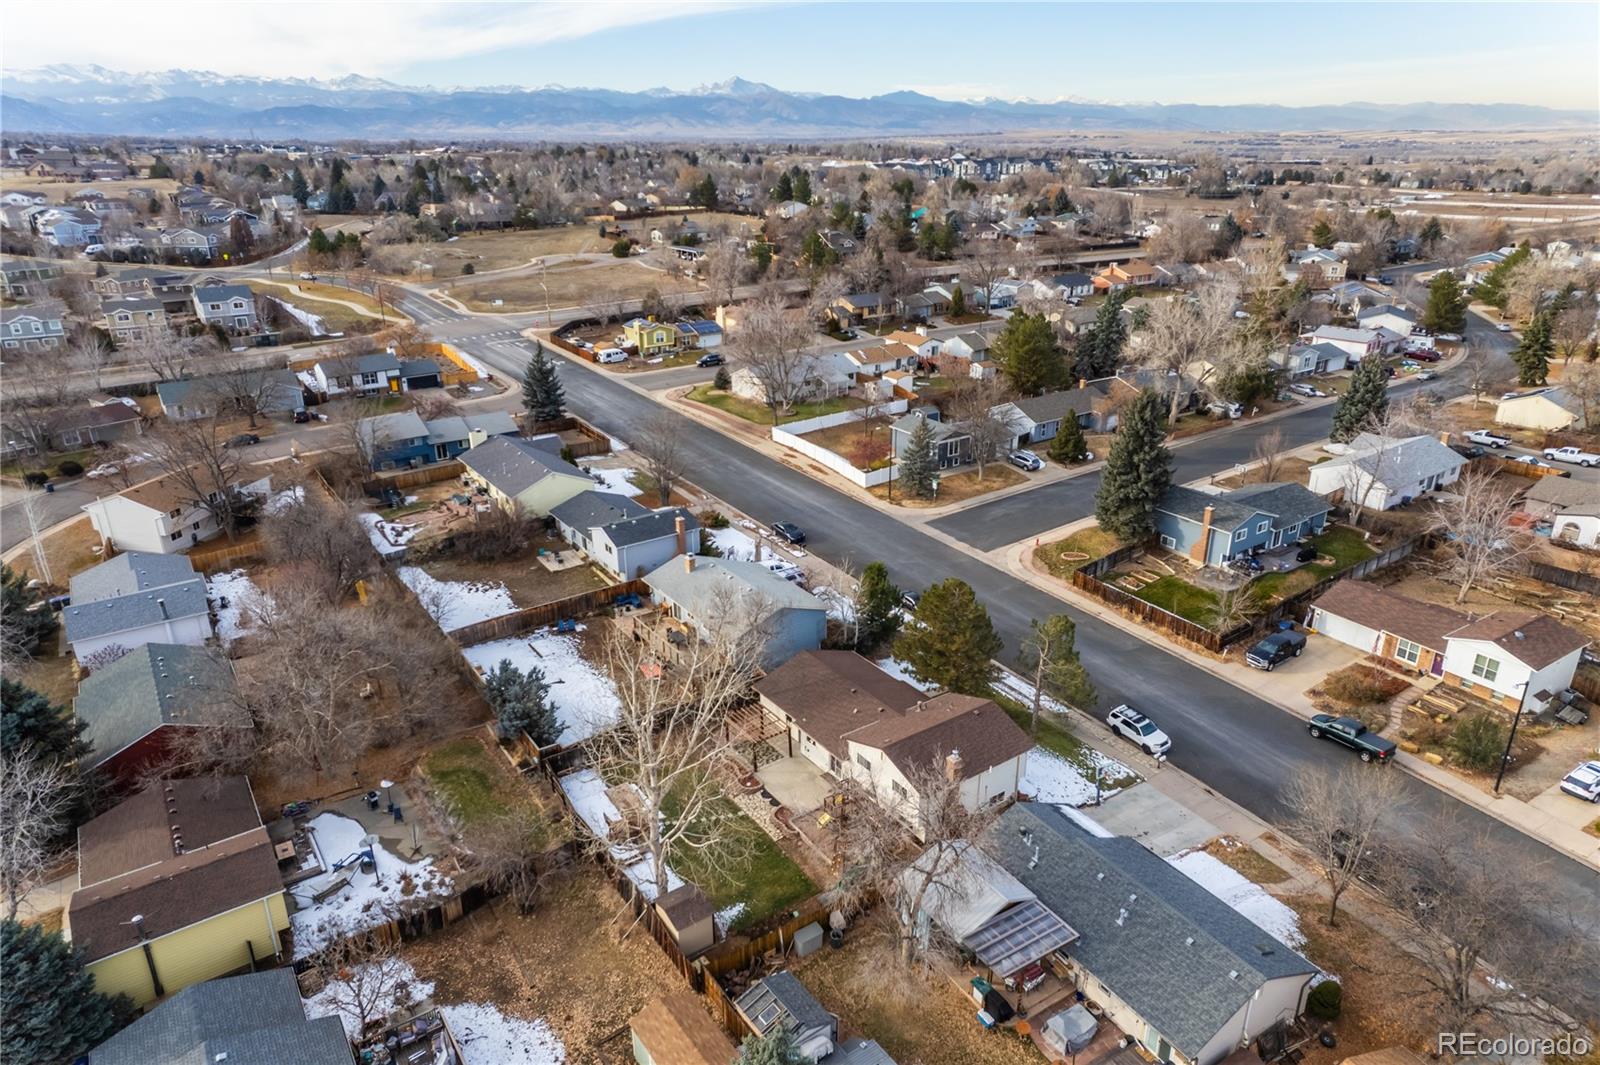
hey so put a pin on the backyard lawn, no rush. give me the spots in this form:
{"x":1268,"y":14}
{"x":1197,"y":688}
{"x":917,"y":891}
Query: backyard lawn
{"x":764,"y":879}
{"x":751,"y":411}
{"x":1186,"y":600}
{"x":475,"y":785}
{"x":1065,"y":556}
{"x":865,"y":444}
{"x":1340,"y":543}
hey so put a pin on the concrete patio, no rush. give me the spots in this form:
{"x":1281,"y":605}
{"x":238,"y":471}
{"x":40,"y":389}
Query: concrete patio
{"x":796,"y":783}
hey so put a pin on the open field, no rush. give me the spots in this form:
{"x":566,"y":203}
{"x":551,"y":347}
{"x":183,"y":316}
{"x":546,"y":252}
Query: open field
{"x":338,"y":317}
{"x":59,"y":191}
{"x":606,"y":283}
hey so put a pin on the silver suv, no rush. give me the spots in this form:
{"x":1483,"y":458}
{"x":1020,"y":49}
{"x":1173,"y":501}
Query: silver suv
{"x":1128,"y":723}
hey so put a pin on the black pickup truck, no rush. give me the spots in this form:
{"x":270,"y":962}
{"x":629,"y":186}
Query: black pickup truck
{"x":1354,"y":735}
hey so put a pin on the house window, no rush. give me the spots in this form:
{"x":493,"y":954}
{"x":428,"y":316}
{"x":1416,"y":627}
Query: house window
{"x":1168,"y":542}
{"x":861,"y":760}
{"x":899,"y":789}
{"x":177,"y":535}
{"x":174,"y":512}
{"x":833,"y":764}
{"x":1485,"y":667}
{"x":1240,"y":534}
{"x":1262,"y":527}
{"x":369,"y":378}
{"x":1406,"y":651}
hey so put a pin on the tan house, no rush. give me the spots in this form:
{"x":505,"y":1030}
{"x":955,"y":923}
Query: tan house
{"x":1133,"y":274}
{"x":675,"y":1029}
{"x":178,"y":884}
{"x":1549,"y":409}
{"x":520,"y":473}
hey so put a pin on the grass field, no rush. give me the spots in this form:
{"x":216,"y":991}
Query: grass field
{"x":865,"y":444}
{"x":958,"y":487}
{"x":1065,"y":556}
{"x":764,"y":878}
{"x":59,"y":191}
{"x":1342,"y":544}
{"x":567,"y":288}
{"x":337,"y":317}
{"x":1195,"y":604}
{"x":758,"y":413}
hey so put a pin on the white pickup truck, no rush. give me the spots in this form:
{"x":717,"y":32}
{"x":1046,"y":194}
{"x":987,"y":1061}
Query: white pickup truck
{"x":1488,"y":438}
{"x":1574,"y":455}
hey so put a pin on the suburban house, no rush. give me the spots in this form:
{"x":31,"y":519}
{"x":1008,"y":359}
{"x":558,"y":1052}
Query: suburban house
{"x":232,"y":307}
{"x":270,"y":391}
{"x":1571,"y":506}
{"x":177,"y":884}
{"x":1135,"y":273}
{"x":403,"y":439}
{"x":523,"y":474}
{"x":700,"y":333}
{"x":1387,"y":316}
{"x":68,"y":227}
{"x":967,"y":346}
{"x":823,"y":377}
{"x":82,"y":426}
{"x":675,"y":1029}
{"x":1318,"y":267}
{"x":1300,"y":360}
{"x":780,"y":1000}
{"x":1380,"y":473}
{"x":134,"y":599}
{"x":650,"y":337}
{"x":1182,"y":973}
{"x":1073,"y":285}
{"x":161,"y":516}
{"x":918,"y":340}
{"x":134,"y":318}
{"x":36,"y":327}
{"x":858,"y":308}
{"x":1214,"y":529}
{"x":377,"y":371}
{"x":1357,"y":344}
{"x":952,"y":446}
{"x":254,"y":1018}
{"x":860,"y":364}
{"x":138,"y":709}
{"x":882,"y":731}
{"x":626,"y":538}
{"x":27,"y":278}
{"x":1549,"y":409}
{"x":1513,"y":659}
{"x":707,"y":595}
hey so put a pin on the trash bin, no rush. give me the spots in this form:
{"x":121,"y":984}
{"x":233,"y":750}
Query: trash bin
{"x":808,"y":940}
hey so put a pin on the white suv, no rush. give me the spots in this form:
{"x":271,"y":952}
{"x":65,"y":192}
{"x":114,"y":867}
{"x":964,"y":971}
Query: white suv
{"x":1583,"y":782}
{"x":1127,"y":722}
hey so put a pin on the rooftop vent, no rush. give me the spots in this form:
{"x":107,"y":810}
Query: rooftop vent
{"x":1233,"y":974}
{"x":1122,"y":915}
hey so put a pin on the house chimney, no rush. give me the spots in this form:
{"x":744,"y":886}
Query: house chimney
{"x":1202,"y":548}
{"x":1083,"y":382}
{"x":688,"y":563}
{"x":1444,"y":436}
{"x":922,"y":330}
{"x":953,"y":765}
{"x":683,"y":535}
{"x":476,"y":437}
{"x":758,"y":550}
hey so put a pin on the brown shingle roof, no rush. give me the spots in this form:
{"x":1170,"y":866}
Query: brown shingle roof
{"x":166,"y":493}
{"x":685,"y":905}
{"x":676,"y":1030}
{"x":1366,"y":604}
{"x":983,"y":734}
{"x":1532,"y":639}
{"x":828,"y":693}
{"x":137,"y":832}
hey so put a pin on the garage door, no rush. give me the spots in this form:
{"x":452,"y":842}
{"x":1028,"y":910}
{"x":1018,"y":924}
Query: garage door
{"x":1356,"y":635}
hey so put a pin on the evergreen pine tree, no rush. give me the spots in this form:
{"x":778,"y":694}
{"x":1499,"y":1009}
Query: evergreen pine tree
{"x":775,"y":1048}
{"x":1533,"y":351}
{"x":298,"y":187}
{"x":1027,"y":353}
{"x":723,"y":381}
{"x":1068,"y":445}
{"x":51,"y":1007}
{"x":958,"y":302}
{"x":877,"y":607}
{"x":1366,"y":399}
{"x":915,"y":472}
{"x":1432,"y":233}
{"x":784,"y":192}
{"x":1447,"y":307}
{"x":1099,"y":352}
{"x":542,"y":394}
{"x":28,"y":718}
{"x":1137,"y":472}
{"x":705,"y":193}
{"x":953,"y":643}
{"x":802,"y":186}
{"x":521,"y":703}
{"x":27,"y":627}
{"x":1491,"y":289}
{"x":1322,"y":234}
{"x":1061,"y":672}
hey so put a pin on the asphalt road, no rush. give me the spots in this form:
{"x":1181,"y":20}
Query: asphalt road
{"x":1243,"y":747}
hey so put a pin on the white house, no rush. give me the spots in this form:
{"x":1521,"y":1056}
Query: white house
{"x":1519,"y":660}
{"x":160,"y":516}
{"x":707,"y":595}
{"x":1357,"y":344}
{"x":135,"y":599}
{"x":233,"y":307}
{"x":361,"y":374}
{"x":1387,"y":316}
{"x":1571,"y":506}
{"x":1550,"y":409}
{"x":1379,"y":473}
{"x":967,"y":346}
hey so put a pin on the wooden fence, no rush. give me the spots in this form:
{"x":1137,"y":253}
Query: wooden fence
{"x":1500,"y":464}
{"x":521,"y":621}
{"x":1561,"y":577}
{"x":214,"y":560}
{"x":572,"y":349}
{"x":594,"y":442}
{"x":433,"y":474}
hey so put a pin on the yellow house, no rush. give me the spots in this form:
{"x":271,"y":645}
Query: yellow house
{"x":520,"y":473}
{"x":178,"y":884}
{"x":650,"y":337}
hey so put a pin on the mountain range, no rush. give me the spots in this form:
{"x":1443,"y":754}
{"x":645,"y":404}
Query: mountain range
{"x":92,"y":100}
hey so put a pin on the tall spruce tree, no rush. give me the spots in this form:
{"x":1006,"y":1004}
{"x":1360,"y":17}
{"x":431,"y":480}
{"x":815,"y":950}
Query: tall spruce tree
{"x":1366,"y":399}
{"x":1100,"y":350}
{"x":1533,"y":351}
{"x":1027,"y":353}
{"x":521,"y":703}
{"x":26,"y":624}
{"x":1068,"y":445}
{"x":542,"y":394}
{"x":1491,"y":289}
{"x":958,"y":302}
{"x":1137,"y":472}
{"x":1447,"y":306}
{"x":953,"y":643}
{"x":915,"y":468}
{"x":29,"y":719}
{"x":51,"y":1008}
{"x":877,"y":608}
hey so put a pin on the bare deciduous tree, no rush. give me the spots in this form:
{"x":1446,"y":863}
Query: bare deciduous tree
{"x":1478,"y":371}
{"x":508,"y":850}
{"x":321,"y":536}
{"x":1269,"y":454}
{"x":658,"y":444}
{"x":1581,"y":379}
{"x":364,"y":979}
{"x":1194,"y":338}
{"x":35,"y":799}
{"x":977,"y":407}
{"x":194,"y":457}
{"x":774,"y":345}
{"x":1480,"y":541}
{"x":171,"y":356}
{"x":243,"y":390}
{"x":1337,"y":816}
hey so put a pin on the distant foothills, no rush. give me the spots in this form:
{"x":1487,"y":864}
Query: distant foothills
{"x":92,"y":100}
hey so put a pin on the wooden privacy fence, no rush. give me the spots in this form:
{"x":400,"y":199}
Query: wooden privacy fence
{"x":214,"y":560}
{"x":594,"y":442}
{"x":432,"y":474}
{"x":1499,"y":464}
{"x":1562,"y":577}
{"x":521,"y":621}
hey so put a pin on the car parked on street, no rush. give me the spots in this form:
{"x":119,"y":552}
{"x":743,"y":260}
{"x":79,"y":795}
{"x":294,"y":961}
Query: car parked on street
{"x":1469,"y":451}
{"x":1575,"y":455}
{"x":1130,"y":724}
{"x":1534,"y":460}
{"x":788,"y":530}
{"x":1583,"y":782}
{"x":1301,"y":389}
{"x":1370,"y":746}
{"x":1279,"y":647}
{"x":710,"y":358}
{"x":1489,"y":438}
{"x":1025,"y":460}
{"x":909,"y":600}
{"x":1427,"y":375}
{"x":243,"y":440}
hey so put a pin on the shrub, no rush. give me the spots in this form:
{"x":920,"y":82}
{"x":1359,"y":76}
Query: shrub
{"x":723,"y":381}
{"x":1359,"y":685}
{"x":69,"y":468}
{"x":621,"y":248}
{"x":468,"y":269}
{"x":1326,"y":1001}
{"x":37,"y":478}
{"x":1478,"y":741}
{"x":712,"y":519}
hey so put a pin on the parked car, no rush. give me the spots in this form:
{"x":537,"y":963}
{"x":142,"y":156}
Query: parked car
{"x":301,"y":417}
{"x":243,"y":440}
{"x":1278,"y":647}
{"x":1130,"y":724}
{"x":611,"y":355}
{"x":1354,"y":735}
{"x":1225,"y":410}
{"x":307,"y":275}
{"x":1504,"y":327}
{"x":1422,"y":354}
{"x":1385,"y":279}
{"x":1489,"y":438}
{"x":1307,"y":390}
{"x":710,"y":358}
{"x":1469,"y":451}
{"x":1575,"y":455}
{"x":788,"y":530}
{"x":909,"y":600}
{"x":1427,"y":375}
{"x":1025,"y":460}
{"x":1534,"y":460}
{"x":1583,"y":782}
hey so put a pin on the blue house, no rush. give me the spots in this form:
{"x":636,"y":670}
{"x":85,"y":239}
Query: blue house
{"x":402,"y":439}
{"x":1214,"y":529}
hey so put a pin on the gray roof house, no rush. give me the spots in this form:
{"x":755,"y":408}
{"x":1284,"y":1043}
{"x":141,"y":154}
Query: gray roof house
{"x":625,"y":537}
{"x":710,"y":594}
{"x":1212,"y":529}
{"x":951,"y":445}
{"x":231,"y":306}
{"x":781,"y":1000}
{"x":254,"y":1019}
{"x":1384,"y":472}
{"x":134,"y":599}
{"x":528,"y":473}
{"x":135,"y":707}
{"x":274,"y":392}
{"x":1180,"y":971}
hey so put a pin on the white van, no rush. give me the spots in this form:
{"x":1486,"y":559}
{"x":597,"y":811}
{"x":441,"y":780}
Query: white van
{"x":611,"y":355}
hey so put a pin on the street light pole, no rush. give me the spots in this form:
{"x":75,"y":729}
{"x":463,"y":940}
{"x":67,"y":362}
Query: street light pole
{"x":1505,"y":759}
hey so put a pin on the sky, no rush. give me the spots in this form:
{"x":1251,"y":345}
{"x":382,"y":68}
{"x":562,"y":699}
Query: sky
{"x":1209,"y":53}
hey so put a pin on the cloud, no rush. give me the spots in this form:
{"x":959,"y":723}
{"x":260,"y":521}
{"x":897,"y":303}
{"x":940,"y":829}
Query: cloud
{"x":251,"y":37}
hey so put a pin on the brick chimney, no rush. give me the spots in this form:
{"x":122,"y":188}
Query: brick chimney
{"x":1083,"y":382}
{"x":1444,"y":436}
{"x":1203,"y":546}
{"x":688,"y":563}
{"x":683,"y":535}
{"x":953,"y":765}
{"x":758,"y":549}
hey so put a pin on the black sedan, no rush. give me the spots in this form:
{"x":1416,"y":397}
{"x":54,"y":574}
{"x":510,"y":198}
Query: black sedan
{"x":788,"y":530}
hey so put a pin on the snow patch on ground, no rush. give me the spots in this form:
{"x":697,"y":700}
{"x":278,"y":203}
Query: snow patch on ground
{"x":617,"y":482}
{"x":725,"y":917}
{"x":587,"y":792}
{"x":389,"y":538}
{"x":244,"y":601}
{"x":1014,"y":686}
{"x":841,"y":607}
{"x":1246,"y":896}
{"x":733,"y":543}
{"x":370,"y":899}
{"x":585,"y":699}
{"x":279,"y":502}
{"x":398,"y":989}
{"x":457,"y":603}
{"x":1050,"y":778}
{"x":900,"y":671}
